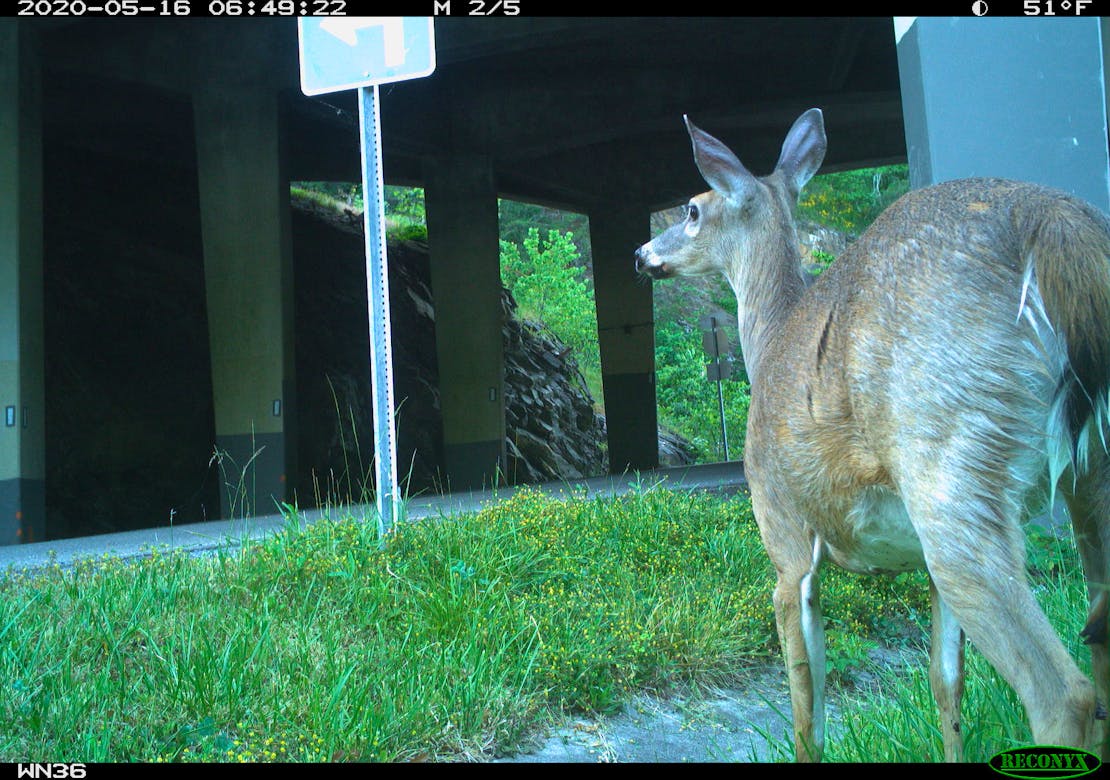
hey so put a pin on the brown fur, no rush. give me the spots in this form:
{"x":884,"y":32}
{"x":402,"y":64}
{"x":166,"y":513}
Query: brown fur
{"x":908,"y":409}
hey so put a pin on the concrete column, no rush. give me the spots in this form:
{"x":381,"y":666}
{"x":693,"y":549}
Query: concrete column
{"x":1019,"y":98}
{"x":244,"y":205}
{"x":22,"y":441}
{"x":461,"y":202}
{"x":626,"y":335}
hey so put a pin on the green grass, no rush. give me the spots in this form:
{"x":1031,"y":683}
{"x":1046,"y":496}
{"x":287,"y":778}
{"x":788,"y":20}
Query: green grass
{"x":458,"y":639}
{"x":326,"y":200}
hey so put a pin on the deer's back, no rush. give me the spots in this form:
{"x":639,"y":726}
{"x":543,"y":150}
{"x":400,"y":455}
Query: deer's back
{"x":910,"y":345}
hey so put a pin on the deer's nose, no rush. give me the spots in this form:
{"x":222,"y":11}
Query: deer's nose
{"x":647,"y":262}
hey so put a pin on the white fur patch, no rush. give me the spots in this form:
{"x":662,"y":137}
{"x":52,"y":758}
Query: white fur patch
{"x":1050,"y":353}
{"x":813,"y":635}
{"x":883,"y":538}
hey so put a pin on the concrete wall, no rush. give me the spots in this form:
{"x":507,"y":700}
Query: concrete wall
{"x":626,"y":336}
{"x":244,"y":205}
{"x":461,"y":203}
{"x":1011,"y":97}
{"x":22,"y":465}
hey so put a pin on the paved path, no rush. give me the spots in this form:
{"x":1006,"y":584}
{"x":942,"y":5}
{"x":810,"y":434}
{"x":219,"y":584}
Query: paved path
{"x":200,"y":538}
{"x":730,"y":724}
{"x":748,"y":722}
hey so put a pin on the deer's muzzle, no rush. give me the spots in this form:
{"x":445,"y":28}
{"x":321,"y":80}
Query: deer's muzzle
{"x":647,"y":262}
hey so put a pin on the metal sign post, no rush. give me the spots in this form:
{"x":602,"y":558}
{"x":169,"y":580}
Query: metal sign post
{"x":715,"y":343}
{"x":362,"y":52}
{"x":377,"y":301}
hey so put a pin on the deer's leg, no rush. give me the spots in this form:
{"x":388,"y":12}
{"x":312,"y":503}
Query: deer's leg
{"x":806,"y":703}
{"x":792,"y":550}
{"x":1089,"y":507}
{"x":813,"y":636}
{"x":974,"y":550}
{"x":946,"y":673}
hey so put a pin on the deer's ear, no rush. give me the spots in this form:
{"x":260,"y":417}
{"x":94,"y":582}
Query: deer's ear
{"x":721,"y":169}
{"x":803,"y":151}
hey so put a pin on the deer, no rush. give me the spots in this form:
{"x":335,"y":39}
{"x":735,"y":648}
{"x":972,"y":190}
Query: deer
{"x":939,"y":384}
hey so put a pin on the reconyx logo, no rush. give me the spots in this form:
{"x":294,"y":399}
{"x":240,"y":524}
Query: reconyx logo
{"x":1044,"y":761}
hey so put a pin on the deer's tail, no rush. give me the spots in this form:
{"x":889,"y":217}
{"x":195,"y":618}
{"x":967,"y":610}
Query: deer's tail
{"x":1066,"y":246}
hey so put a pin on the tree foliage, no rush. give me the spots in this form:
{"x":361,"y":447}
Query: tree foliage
{"x":687,"y":401}
{"x":849,"y":201}
{"x":546,"y":277}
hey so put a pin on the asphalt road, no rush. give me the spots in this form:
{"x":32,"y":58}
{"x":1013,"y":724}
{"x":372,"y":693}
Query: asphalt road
{"x":200,"y":538}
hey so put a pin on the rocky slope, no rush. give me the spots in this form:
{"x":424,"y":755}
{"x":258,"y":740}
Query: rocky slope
{"x":553,"y":430}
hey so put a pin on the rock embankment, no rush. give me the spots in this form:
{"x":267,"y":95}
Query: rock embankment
{"x":553,"y":428}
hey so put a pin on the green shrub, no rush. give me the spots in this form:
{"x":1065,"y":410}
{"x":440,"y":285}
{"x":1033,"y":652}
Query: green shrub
{"x":687,"y":400}
{"x":849,"y":201}
{"x":546,"y":277}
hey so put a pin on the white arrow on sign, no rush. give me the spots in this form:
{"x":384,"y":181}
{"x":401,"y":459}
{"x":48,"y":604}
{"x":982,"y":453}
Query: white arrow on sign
{"x":393,"y":28}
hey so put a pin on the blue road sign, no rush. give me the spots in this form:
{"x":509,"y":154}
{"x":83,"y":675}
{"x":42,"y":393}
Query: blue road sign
{"x":346,"y":52}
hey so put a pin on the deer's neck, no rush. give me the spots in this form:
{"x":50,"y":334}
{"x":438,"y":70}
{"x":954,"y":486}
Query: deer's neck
{"x":768,"y":283}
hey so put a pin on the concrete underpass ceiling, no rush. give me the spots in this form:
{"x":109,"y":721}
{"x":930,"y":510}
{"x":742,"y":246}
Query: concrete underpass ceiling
{"x":578,"y":113}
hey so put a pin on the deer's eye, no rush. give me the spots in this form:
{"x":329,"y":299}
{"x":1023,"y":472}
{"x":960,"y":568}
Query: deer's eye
{"x":692,"y":212}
